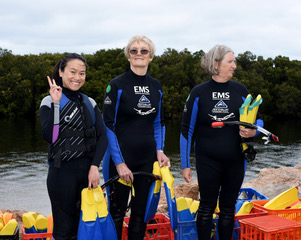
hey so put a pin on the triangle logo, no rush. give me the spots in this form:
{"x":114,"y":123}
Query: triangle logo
{"x":221,"y":104}
{"x":144,"y":99}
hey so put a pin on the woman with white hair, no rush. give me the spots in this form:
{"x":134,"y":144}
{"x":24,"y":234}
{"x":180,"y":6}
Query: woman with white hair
{"x":132,"y":112}
{"x":220,"y":161}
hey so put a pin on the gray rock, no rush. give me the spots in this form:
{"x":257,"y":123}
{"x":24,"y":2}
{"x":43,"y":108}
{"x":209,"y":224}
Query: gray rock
{"x":273,"y":181}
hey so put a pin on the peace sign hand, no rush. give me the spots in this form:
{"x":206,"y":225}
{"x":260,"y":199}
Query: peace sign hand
{"x":55,"y":90}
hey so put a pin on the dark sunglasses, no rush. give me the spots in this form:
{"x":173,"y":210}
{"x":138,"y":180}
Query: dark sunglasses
{"x":142,"y":51}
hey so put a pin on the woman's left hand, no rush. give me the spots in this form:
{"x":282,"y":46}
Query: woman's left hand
{"x":163,"y":160}
{"x":93,"y":177}
{"x":246,"y":132}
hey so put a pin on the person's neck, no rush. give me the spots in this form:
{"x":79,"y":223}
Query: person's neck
{"x":140,"y":71}
{"x":73,"y":95}
{"x":219,"y":79}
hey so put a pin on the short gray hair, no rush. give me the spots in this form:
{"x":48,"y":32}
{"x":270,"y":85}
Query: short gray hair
{"x":139,"y":38}
{"x":217,"y":53}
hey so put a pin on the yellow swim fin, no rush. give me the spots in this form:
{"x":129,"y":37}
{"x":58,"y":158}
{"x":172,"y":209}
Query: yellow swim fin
{"x":283,"y":200}
{"x":168,"y":181}
{"x":243,"y":110}
{"x":247,"y":113}
{"x":194,"y":206}
{"x":29,"y":222}
{"x":253,"y":109}
{"x":42,"y":223}
{"x":34,"y":214}
{"x":7,"y":217}
{"x":157,"y":171}
{"x":243,"y":115}
{"x":9,"y":228}
{"x":214,"y":229}
{"x":189,"y":201}
{"x":245,"y":208}
{"x":217,"y":207}
{"x":95,"y":221}
{"x":184,"y":213}
{"x":125,"y":183}
{"x":128,"y":184}
{"x":93,"y":204}
{"x":153,"y":195}
{"x":181,"y":204}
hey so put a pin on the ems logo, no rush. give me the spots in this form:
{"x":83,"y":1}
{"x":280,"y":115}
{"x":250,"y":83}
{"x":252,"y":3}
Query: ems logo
{"x":141,"y":90}
{"x":107,"y":101}
{"x":221,"y":104}
{"x":144,"y":99}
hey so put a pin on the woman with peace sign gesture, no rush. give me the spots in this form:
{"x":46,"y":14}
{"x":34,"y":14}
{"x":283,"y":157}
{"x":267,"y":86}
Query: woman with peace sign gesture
{"x":73,"y":127}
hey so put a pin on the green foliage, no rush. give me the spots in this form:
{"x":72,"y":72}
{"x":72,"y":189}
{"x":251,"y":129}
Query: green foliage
{"x":288,"y":101}
{"x":15,"y":95}
{"x":23,"y":80}
{"x":103,"y":66}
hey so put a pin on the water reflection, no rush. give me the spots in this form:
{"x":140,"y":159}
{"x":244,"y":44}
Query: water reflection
{"x":23,"y":164}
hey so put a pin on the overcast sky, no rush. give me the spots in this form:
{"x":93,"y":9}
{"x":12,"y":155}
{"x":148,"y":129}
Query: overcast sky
{"x":267,"y":28}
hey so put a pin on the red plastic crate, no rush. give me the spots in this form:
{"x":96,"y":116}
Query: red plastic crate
{"x":158,"y":228}
{"x":270,"y":228}
{"x":292,"y":214}
{"x":35,"y":235}
{"x":255,"y":212}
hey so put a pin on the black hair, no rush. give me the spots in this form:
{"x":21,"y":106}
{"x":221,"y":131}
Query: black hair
{"x":63,"y":63}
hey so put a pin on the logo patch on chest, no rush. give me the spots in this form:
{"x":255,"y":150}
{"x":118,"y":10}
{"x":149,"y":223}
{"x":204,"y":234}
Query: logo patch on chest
{"x":220,"y":96}
{"x":68,"y":118}
{"x":107,"y":101}
{"x":216,"y":118}
{"x":144,"y":102}
{"x":220,"y":106}
{"x":153,"y":110}
{"x":141,"y":90}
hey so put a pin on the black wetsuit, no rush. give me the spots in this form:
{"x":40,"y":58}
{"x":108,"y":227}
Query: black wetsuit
{"x":219,"y":159}
{"x":132,"y":113}
{"x":68,"y":175}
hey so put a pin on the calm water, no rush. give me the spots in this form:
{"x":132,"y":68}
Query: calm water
{"x":23,"y":164}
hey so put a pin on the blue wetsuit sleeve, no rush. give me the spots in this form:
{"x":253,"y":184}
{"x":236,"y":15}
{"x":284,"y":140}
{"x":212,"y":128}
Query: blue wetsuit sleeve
{"x":159,"y":127}
{"x":102,"y":140}
{"x":110,"y":111}
{"x":187,"y":129}
{"x":259,"y":123}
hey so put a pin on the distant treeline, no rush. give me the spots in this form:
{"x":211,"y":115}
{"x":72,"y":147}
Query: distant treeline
{"x":23,"y":81}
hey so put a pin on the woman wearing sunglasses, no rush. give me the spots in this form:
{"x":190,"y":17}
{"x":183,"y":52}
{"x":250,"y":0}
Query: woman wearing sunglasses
{"x":132,"y":113}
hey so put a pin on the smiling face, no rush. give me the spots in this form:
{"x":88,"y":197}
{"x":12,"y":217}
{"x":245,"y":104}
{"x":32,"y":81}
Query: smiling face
{"x":74,"y":74}
{"x":139,"y":61}
{"x":226,"y":67}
